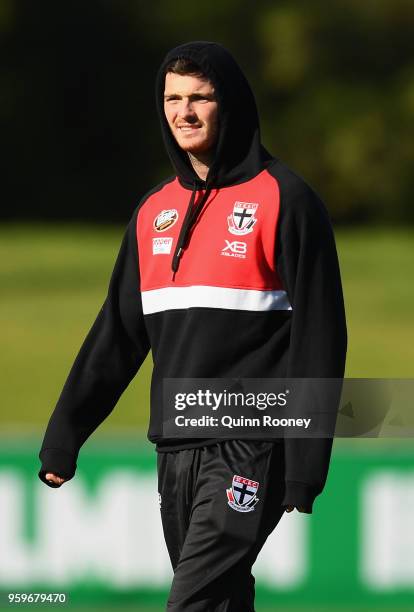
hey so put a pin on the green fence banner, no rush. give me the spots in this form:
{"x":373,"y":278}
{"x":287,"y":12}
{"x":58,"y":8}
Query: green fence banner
{"x":98,"y":538}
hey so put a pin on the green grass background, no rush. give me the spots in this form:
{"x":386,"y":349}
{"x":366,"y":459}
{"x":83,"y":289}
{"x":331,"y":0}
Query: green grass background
{"x":54,"y":279}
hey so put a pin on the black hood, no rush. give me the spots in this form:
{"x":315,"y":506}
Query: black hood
{"x":239,"y":153}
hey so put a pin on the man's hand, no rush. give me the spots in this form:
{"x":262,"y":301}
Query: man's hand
{"x":299,"y":508}
{"x":54,"y":478}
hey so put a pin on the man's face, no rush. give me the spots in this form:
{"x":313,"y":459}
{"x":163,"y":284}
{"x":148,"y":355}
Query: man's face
{"x":191,"y":110}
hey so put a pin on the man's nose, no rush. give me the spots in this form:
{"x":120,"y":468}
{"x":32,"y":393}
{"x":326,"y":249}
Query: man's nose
{"x":186,"y":109}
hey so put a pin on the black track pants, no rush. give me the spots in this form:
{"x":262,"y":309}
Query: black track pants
{"x":213,"y":543}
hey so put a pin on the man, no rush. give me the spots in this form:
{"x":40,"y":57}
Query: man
{"x":233,"y":242}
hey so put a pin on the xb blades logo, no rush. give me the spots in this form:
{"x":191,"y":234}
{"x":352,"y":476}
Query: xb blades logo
{"x":235,"y":249}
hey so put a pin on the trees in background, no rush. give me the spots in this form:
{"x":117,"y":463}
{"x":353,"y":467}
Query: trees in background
{"x":334,"y":84}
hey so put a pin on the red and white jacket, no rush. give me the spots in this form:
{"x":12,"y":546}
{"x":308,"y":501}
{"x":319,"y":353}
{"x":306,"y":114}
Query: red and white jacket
{"x":236,"y":276}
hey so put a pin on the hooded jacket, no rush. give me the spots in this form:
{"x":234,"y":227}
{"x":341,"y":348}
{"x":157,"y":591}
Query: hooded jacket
{"x":234,"y":276}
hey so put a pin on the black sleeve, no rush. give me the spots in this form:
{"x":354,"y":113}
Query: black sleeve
{"x":307,"y":263}
{"x":109,"y":358}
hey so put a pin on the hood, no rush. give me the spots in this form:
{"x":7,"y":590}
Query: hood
{"x":239,"y":153}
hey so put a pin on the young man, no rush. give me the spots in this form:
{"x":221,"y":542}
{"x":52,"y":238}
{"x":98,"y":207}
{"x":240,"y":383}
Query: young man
{"x":227,"y":269}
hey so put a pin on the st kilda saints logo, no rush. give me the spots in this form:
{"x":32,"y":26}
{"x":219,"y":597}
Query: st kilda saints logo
{"x":242,"y":219}
{"x":165,"y":219}
{"x":242,"y":495}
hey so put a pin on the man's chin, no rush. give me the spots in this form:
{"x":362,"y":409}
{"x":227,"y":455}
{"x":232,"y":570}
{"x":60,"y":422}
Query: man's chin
{"x":195,"y":149}
{"x":193,"y":145}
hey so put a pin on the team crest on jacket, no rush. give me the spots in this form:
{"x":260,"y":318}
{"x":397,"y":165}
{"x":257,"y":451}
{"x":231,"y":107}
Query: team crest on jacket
{"x":242,"y":219}
{"x":165,"y":219}
{"x":242,"y":494}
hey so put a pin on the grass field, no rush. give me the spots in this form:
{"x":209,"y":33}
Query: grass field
{"x":54,"y":280}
